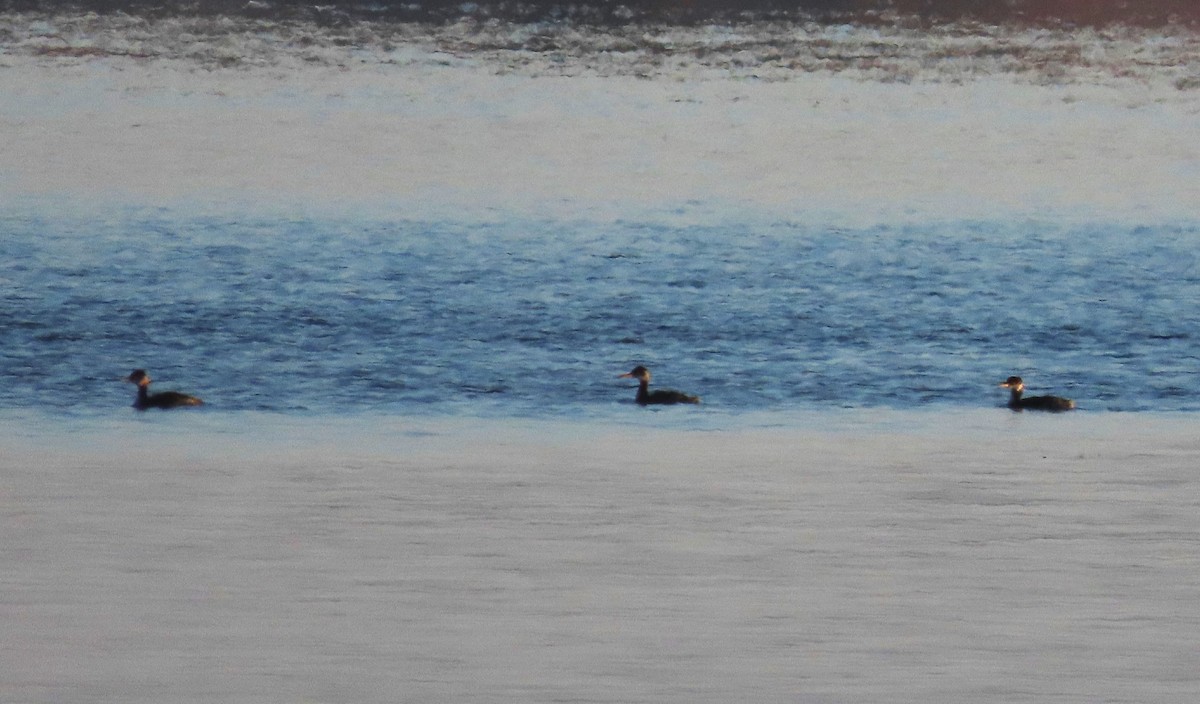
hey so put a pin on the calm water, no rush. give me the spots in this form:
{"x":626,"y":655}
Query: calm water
{"x":528,"y":318}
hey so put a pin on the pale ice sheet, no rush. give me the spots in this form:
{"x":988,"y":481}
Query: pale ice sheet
{"x":858,"y":556}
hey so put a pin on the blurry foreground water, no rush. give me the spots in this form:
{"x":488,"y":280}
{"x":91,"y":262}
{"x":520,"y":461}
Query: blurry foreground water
{"x":900,"y":556}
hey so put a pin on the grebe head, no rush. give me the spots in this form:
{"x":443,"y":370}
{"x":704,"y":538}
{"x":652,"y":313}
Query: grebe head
{"x":139,"y":377}
{"x":1013,"y":382}
{"x":639,"y":372}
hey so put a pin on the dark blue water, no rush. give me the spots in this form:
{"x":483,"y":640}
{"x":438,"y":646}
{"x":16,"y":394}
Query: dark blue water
{"x":529,"y":318}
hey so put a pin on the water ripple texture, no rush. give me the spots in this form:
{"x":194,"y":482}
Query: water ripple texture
{"x":531,"y":318}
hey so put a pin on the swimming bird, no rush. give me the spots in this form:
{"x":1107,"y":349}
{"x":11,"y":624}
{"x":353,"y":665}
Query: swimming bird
{"x":165,"y":399}
{"x":1037,"y":403}
{"x":645,"y":396}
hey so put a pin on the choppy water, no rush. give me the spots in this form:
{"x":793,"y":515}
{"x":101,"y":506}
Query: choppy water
{"x":533,"y":318}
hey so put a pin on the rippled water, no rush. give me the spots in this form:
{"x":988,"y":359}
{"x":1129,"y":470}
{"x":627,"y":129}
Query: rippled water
{"x":532,"y":318}
{"x":417,"y":476}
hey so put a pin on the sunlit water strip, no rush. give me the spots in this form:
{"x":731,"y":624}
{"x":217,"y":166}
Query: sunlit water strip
{"x":537,"y":318}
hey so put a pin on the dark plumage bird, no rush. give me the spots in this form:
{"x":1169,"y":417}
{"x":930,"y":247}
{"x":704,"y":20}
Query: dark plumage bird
{"x":646,"y":396}
{"x":165,"y":399}
{"x":1017,"y":402}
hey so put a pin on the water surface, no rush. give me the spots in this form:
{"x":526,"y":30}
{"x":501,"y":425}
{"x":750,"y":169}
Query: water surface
{"x":531,"y":318}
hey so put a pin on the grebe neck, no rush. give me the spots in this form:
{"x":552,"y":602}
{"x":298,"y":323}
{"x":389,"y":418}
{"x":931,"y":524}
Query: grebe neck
{"x":643,"y":392}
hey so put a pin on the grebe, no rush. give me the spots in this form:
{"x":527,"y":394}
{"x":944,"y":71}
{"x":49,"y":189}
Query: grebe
{"x":645,"y":396}
{"x":1036,"y":403}
{"x":165,"y":399}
